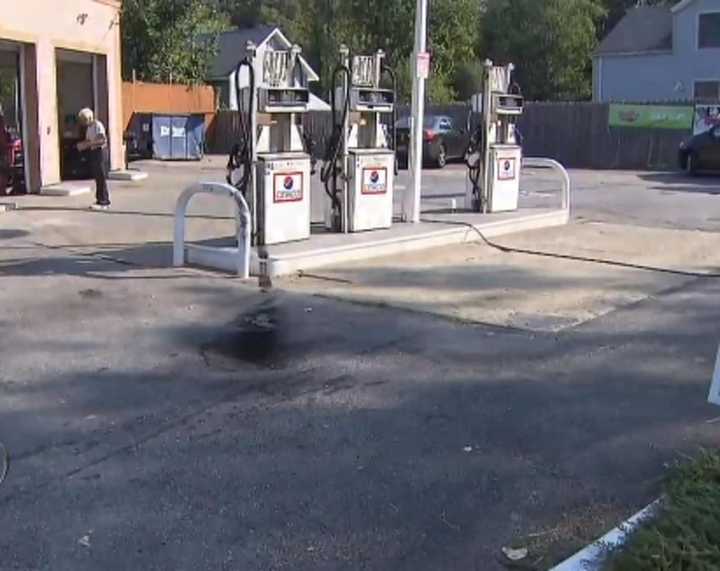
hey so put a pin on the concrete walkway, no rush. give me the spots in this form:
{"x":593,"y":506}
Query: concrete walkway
{"x":565,"y":284}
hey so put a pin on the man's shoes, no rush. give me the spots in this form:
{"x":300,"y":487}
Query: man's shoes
{"x":100,"y":207}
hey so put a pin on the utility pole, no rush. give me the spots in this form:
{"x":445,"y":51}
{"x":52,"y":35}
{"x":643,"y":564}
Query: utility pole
{"x":420,"y":69}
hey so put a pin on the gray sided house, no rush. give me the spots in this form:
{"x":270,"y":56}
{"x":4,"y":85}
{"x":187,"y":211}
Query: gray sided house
{"x":232,"y":48}
{"x":660,"y":54}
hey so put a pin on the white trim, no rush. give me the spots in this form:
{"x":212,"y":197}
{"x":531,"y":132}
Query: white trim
{"x":310,"y":72}
{"x":697,"y":32}
{"x":283,"y":37}
{"x":681,"y":6}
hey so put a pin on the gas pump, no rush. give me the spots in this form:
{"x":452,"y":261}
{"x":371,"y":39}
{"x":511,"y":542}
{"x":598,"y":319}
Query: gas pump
{"x":359,"y":168}
{"x":271,"y":165}
{"x":494,"y":157}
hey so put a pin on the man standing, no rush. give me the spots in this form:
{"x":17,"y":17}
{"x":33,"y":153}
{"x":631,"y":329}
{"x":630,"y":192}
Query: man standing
{"x":95,"y":144}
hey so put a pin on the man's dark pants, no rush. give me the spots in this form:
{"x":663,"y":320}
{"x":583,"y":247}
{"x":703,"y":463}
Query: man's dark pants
{"x":99,"y":170}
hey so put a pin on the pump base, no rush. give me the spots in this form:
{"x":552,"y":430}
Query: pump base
{"x":327,"y":249}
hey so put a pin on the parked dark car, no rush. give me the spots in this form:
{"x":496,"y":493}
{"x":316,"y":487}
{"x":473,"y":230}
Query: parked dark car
{"x":443,"y":140}
{"x":701,"y":152}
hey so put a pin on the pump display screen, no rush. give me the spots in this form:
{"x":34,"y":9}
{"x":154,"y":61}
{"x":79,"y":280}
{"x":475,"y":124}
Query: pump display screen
{"x":508,"y":103}
{"x":288,"y":187}
{"x":375,"y":97}
{"x":374,"y":180}
{"x":277,"y":97}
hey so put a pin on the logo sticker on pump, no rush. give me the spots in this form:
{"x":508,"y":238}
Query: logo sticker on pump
{"x":374,"y":180}
{"x":288,"y":187}
{"x":506,"y":169}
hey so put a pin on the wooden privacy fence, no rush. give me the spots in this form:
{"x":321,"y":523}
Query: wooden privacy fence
{"x":139,"y":97}
{"x":224,"y":131}
{"x":578,"y":135}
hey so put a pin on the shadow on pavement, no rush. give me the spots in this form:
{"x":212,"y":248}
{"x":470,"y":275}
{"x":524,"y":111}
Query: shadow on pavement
{"x":104,"y":262}
{"x":679,"y":182}
{"x":115,"y":212}
{"x":370,"y":449}
{"x":11,"y":234}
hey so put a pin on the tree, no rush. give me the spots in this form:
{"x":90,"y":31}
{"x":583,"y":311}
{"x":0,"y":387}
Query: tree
{"x":550,"y":41}
{"x":169,"y":40}
{"x":454,"y":35}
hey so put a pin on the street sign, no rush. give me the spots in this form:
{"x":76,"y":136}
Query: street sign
{"x":714,"y":397}
{"x":423,"y":65}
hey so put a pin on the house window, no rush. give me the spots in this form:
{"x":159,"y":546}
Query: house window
{"x":709,"y":30}
{"x":707,"y":91}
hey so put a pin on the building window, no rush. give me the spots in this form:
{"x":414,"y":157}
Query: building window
{"x":709,"y":30}
{"x":707,"y":91}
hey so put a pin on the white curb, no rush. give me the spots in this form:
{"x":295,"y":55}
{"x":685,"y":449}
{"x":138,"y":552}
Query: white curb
{"x":128,"y":175}
{"x":591,"y":557}
{"x":66,"y":189}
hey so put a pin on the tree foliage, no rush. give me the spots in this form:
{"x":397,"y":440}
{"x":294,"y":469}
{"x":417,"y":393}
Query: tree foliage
{"x":550,"y":41}
{"x":169,"y":40}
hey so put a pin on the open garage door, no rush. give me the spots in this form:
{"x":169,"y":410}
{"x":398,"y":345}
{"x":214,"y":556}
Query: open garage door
{"x":75,"y":91}
{"x":81,"y":82}
{"x":13,"y":159}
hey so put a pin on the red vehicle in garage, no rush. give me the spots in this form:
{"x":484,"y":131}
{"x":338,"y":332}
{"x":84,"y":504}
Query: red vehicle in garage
{"x":12,"y":177}
{"x":17,"y":165}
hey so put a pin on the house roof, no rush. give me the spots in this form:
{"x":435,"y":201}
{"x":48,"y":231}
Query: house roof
{"x":232,"y":47}
{"x":643,"y":29}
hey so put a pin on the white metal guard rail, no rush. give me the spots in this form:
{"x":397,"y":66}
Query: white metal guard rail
{"x":537,"y":162}
{"x":243,"y":223}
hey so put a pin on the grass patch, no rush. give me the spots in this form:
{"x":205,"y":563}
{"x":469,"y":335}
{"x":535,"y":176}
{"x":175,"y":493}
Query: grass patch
{"x":685,"y":535}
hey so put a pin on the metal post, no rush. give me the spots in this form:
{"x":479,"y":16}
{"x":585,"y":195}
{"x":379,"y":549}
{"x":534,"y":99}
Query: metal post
{"x":411,"y":210}
{"x":345,"y":217}
{"x":489,"y":138}
{"x":254,"y":198}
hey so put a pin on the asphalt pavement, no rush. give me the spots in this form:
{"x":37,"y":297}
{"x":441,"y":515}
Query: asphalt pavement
{"x":179,"y":419}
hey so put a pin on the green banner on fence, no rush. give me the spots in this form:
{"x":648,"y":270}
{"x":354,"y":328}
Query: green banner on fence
{"x":652,"y":116}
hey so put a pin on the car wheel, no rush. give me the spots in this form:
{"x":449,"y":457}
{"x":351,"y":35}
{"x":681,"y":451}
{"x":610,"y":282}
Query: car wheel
{"x":691,"y":164}
{"x":442,"y":158}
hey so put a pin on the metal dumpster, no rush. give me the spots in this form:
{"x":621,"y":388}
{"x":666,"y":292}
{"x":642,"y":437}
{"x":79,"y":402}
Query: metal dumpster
{"x":166,"y":137}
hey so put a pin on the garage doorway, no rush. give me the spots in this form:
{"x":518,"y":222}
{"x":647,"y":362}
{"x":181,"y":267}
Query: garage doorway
{"x":12,"y":104}
{"x":81,"y":82}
